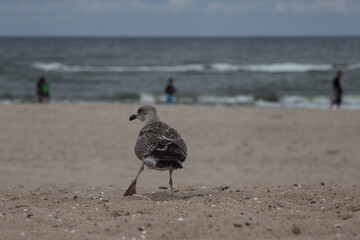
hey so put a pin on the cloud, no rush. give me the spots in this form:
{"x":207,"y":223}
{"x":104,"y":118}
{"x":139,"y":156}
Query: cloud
{"x":139,"y":5}
{"x":229,"y":7}
{"x":283,"y":6}
{"x":23,"y":7}
{"x":100,"y":6}
{"x":334,"y":6}
{"x":176,"y":5}
{"x":233,"y":8}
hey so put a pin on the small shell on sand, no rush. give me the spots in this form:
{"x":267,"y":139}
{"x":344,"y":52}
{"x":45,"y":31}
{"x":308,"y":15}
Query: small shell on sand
{"x":180,"y":219}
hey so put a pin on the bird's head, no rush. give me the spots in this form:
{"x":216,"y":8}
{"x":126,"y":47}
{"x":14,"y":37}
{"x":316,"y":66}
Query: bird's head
{"x":146,"y":114}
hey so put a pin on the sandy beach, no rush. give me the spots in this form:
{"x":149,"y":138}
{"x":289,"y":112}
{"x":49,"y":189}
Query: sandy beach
{"x":251,"y":173}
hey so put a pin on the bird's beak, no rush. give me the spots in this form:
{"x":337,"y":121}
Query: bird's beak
{"x":132,"y":117}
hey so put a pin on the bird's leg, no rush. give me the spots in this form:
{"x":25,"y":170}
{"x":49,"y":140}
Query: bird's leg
{"x":171,"y":182}
{"x":132,"y":188}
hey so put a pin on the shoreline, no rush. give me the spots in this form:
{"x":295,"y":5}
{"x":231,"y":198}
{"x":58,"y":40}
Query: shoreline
{"x":321,"y":102}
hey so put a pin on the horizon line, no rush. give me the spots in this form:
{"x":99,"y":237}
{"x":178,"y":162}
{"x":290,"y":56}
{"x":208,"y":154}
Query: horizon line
{"x":182,"y":36}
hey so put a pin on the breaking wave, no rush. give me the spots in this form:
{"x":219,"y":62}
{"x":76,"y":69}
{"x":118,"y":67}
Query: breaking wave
{"x":290,"y":101}
{"x":213,"y":68}
{"x":268,"y":101}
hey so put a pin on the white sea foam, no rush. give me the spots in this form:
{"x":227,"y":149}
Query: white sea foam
{"x":48,"y":66}
{"x":286,"y":67}
{"x":320,"y":102}
{"x":224,"y":67}
{"x":147,"y":98}
{"x":313,"y":102}
{"x":214,"y":67}
{"x":354,"y":66}
{"x":59,"y":67}
{"x":224,"y":100}
{"x":352,"y":101}
{"x":294,"y":101}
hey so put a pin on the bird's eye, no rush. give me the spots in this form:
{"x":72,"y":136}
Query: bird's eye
{"x":140,"y":110}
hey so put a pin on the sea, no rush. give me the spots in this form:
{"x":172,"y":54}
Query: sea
{"x":286,"y":72}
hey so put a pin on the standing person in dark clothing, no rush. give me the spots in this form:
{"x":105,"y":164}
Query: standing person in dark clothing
{"x":170,"y":90}
{"x":42,"y":90}
{"x":337,"y":90}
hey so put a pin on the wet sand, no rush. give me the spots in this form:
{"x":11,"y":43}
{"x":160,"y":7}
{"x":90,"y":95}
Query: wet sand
{"x":251,"y":173}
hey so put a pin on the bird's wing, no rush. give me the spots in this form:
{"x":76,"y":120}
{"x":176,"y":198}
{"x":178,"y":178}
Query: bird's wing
{"x":161,"y":141}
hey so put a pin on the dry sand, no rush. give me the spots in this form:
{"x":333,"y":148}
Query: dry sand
{"x":251,"y":173}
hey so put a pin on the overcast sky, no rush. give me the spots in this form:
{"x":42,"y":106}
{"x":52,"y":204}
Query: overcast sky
{"x":179,"y":17}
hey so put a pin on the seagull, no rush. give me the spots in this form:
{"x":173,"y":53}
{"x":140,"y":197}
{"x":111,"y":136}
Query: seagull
{"x":158,"y":146}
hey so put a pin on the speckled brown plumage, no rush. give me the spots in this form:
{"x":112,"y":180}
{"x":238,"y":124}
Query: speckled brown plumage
{"x":158,"y":146}
{"x":161,"y":143}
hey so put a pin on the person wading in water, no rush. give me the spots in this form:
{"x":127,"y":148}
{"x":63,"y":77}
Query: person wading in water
{"x":170,"y":90}
{"x":43,"y":91}
{"x":337,"y":91}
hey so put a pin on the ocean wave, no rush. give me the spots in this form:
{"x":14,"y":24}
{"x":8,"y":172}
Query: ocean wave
{"x":204,"y":68}
{"x":287,"y":67}
{"x":59,"y":67}
{"x":293,"y":101}
{"x":354,"y":66}
{"x":227,"y":100}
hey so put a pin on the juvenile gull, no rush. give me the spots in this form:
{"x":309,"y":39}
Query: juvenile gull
{"x":158,"y":146}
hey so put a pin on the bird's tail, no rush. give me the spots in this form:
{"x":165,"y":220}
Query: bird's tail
{"x":169,"y":164}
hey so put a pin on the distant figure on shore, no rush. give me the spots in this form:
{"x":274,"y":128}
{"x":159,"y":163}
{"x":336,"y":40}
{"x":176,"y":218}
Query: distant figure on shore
{"x":337,"y":91}
{"x":170,"y":90}
{"x":42,"y":90}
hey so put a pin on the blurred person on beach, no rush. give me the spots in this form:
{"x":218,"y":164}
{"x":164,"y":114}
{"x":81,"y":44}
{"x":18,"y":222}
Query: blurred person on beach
{"x":42,"y":90}
{"x":170,"y":90}
{"x":337,"y":91}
